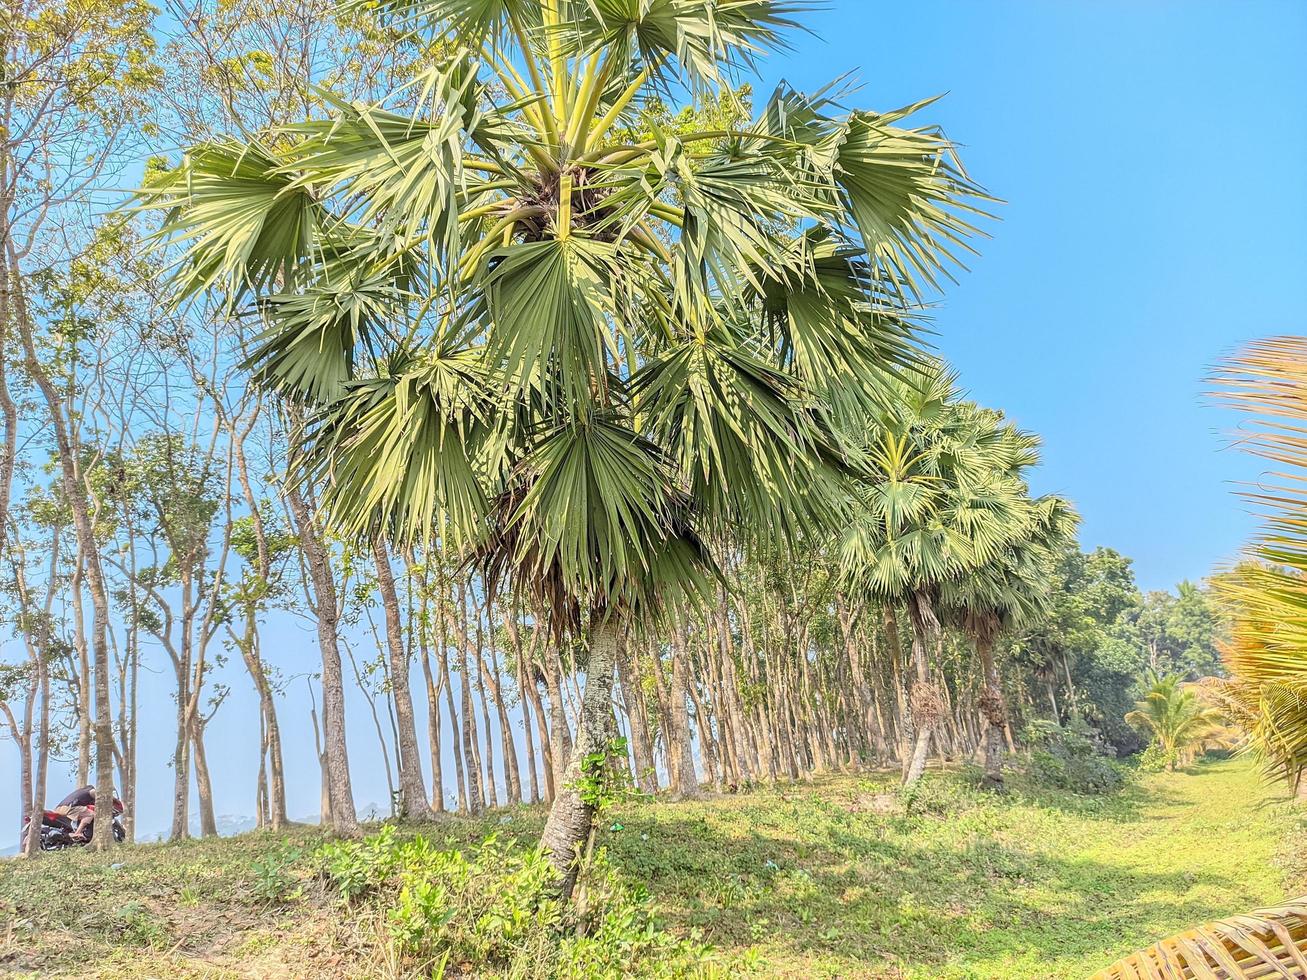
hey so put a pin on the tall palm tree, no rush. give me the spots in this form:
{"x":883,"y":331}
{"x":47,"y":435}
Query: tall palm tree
{"x":1011,"y":588}
{"x":1179,"y":722}
{"x":531,"y":331}
{"x":918,"y":525}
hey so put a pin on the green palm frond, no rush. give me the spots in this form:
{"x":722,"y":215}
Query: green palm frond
{"x":243,"y":223}
{"x":589,"y":512}
{"x":549,"y":304}
{"x":742,"y":438}
{"x":529,"y":321}
{"x":308,"y":351}
{"x":908,"y":196}
{"x":404,"y":450}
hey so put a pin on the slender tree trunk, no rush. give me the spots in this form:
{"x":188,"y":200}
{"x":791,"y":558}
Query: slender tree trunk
{"x":181,"y":764}
{"x":525,"y":688}
{"x":203,"y":786}
{"x":646,"y":776}
{"x":687,"y":783}
{"x":993,"y":707}
{"x":412,"y":790}
{"x":460,"y":774}
{"x":927,"y":704}
{"x":532,"y":687}
{"x":82,"y":646}
{"x":570,"y":817}
{"x":344,"y":818}
{"x":487,"y":739}
{"x":907,"y":736}
{"x":433,"y":733}
{"x":490,"y":677}
{"x":560,"y":732}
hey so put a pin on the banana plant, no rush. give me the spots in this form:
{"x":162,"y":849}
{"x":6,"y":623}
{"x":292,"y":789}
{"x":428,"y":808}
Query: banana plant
{"x":529,"y":321}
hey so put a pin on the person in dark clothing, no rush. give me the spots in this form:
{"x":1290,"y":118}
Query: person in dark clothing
{"x":79,"y":807}
{"x":84,"y":796}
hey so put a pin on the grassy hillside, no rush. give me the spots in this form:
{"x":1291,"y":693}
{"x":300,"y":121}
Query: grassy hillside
{"x":836,"y":877}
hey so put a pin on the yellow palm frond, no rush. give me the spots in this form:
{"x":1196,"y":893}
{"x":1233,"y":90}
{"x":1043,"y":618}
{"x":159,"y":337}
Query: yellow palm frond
{"x":1267,"y":651}
{"x":1269,"y":942}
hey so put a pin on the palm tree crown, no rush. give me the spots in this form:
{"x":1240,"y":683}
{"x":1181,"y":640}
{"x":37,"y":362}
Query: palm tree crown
{"x":521,"y":324}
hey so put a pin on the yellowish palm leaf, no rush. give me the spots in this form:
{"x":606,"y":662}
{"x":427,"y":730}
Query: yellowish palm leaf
{"x":1267,"y":652}
{"x":1269,"y":942}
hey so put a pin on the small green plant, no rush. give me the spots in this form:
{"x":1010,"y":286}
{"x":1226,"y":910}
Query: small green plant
{"x":356,"y":868}
{"x":274,"y":879}
{"x":134,"y":923}
{"x":1156,"y":757}
{"x":937,"y":797}
{"x":497,"y":905}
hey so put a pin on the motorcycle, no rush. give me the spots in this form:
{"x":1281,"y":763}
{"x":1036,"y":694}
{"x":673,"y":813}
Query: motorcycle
{"x":57,"y":829}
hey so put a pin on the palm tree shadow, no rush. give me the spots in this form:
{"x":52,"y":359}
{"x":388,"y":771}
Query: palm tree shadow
{"x":866,"y":893}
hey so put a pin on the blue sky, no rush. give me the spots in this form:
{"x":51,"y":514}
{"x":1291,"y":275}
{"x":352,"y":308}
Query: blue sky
{"x":1150,"y":156}
{"x":1150,"y":153}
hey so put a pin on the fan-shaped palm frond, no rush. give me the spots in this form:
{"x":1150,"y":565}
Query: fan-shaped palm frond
{"x":570,"y":344}
{"x":1270,"y":942}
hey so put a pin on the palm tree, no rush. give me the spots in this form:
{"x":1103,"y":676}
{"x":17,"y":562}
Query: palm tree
{"x":1266,"y":694}
{"x":1178,"y":721}
{"x":530,"y":331}
{"x":1012,"y":586}
{"x":918,"y":525}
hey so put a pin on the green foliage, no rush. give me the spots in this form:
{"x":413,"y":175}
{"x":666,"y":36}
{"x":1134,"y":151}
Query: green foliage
{"x":1156,"y":757}
{"x":275,"y":881}
{"x":497,"y":906}
{"x":938,"y":797}
{"x":1071,"y":758}
{"x":577,"y":357}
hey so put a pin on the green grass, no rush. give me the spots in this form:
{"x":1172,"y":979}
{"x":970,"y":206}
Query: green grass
{"x":826,"y":878}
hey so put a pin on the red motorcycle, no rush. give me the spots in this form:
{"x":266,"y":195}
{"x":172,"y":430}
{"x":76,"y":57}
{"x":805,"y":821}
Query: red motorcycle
{"x":57,"y":829}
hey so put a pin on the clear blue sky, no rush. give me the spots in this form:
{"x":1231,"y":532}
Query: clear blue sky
{"x":1151,"y":156}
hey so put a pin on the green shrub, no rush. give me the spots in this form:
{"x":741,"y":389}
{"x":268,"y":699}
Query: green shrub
{"x":931,"y":796}
{"x":496,"y":909}
{"x":1071,"y":758}
{"x":275,"y":881}
{"x":1155,"y":758}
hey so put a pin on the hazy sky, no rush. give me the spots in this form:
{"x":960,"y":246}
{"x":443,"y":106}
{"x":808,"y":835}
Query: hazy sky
{"x":1150,"y":154}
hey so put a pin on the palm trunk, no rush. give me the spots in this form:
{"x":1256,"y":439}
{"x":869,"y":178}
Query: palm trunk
{"x":992,"y":706}
{"x":570,"y":818}
{"x":926,"y":701}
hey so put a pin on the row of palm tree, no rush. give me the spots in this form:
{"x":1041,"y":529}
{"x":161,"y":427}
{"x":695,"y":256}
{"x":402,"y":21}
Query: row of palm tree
{"x":590,"y":361}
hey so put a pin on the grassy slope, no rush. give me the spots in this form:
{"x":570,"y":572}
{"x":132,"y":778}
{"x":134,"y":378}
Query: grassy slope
{"x":819,"y":879}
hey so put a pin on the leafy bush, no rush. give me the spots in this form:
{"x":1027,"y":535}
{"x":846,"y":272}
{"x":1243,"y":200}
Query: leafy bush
{"x":1156,"y":757}
{"x":1072,"y":758}
{"x":496,"y":908}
